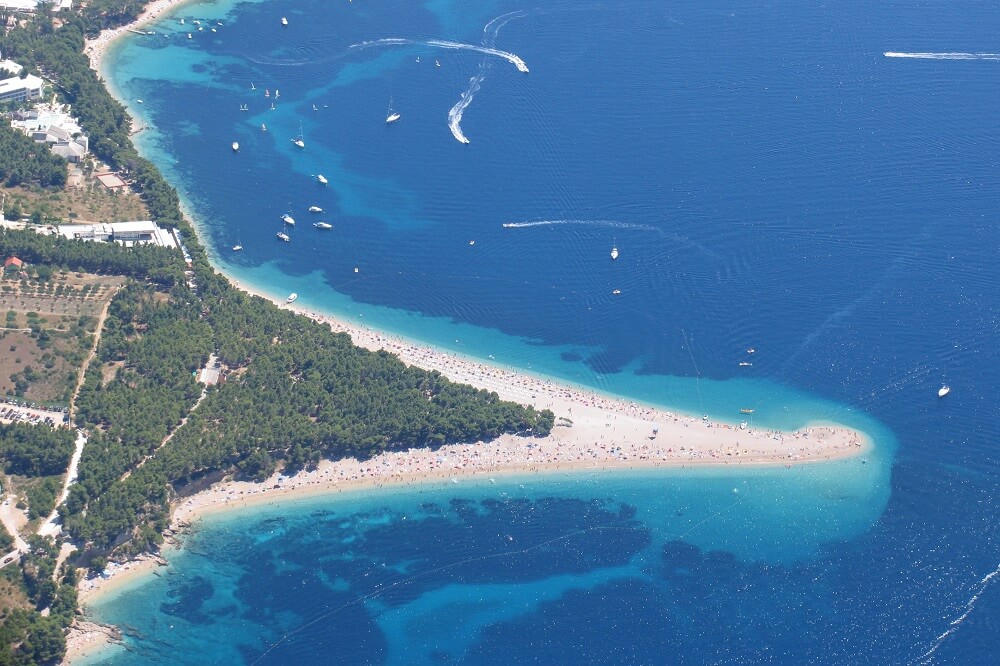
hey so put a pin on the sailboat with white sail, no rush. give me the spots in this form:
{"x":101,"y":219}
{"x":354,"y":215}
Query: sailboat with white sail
{"x":391,"y":116}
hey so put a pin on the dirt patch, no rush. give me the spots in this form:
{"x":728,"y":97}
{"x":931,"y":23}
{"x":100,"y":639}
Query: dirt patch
{"x":89,"y":202}
{"x":46,"y":330}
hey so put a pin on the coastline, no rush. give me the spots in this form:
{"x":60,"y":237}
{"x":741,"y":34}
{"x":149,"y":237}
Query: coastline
{"x":593,"y":431}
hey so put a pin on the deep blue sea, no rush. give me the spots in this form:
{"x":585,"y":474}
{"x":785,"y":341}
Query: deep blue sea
{"x":771,"y":180}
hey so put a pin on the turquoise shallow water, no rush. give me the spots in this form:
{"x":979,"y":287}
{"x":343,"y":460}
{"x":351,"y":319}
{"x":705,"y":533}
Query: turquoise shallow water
{"x":771,"y":181}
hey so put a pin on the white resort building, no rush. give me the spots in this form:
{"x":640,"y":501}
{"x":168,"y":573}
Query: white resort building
{"x":17,"y":89}
{"x":53,"y":124}
{"x":125,"y":233}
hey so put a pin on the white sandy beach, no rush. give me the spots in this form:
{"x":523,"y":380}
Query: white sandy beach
{"x":592,"y":432}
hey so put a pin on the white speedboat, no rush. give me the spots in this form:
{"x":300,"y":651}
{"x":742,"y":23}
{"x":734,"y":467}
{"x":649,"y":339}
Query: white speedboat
{"x":614,"y":253}
{"x":323,"y":225}
{"x":237,"y":247}
{"x":617,"y":292}
{"x":322,"y":179}
{"x":284,"y":21}
{"x":745,"y":364}
{"x":299,"y":142}
{"x":315,"y":209}
{"x":288,"y":219}
{"x":282,"y":236}
{"x":236,"y":146}
{"x":291,"y":297}
{"x":943,"y":391}
{"x":263,"y":127}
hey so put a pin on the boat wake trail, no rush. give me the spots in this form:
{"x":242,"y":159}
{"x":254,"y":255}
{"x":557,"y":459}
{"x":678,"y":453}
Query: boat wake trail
{"x":490,"y":32}
{"x":944,"y":56}
{"x":593,"y":223}
{"x":455,"y":113}
{"x":444,"y":44}
{"x":676,"y":241}
{"x":927,"y":657}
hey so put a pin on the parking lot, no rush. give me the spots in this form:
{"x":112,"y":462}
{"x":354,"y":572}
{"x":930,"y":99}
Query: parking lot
{"x":11,"y":412}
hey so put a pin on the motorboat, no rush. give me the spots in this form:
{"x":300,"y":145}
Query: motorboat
{"x":746,"y":411}
{"x":282,"y":236}
{"x":614,"y":253}
{"x":745,"y":364}
{"x":236,"y":146}
{"x":617,"y":292}
{"x":743,"y":425}
{"x":237,"y":247}
{"x":323,"y":225}
{"x":284,"y":21}
{"x":291,"y":297}
{"x":299,"y":142}
{"x":315,"y":209}
{"x":288,"y":219}
{"x":263,"y":127}
{"x":189,"y":35}
{"x":943,"y":391}
{"x":322,"y":179}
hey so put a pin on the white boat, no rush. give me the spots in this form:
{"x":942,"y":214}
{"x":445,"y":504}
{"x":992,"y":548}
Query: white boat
{"x":614,"y":253}
{"x":139,"y":101}
{"x":943,"y":391}
{"x":617,"y":292}
{"x":252,"y":86}
{"x":182,"y":21}
{"x":282,"y":236}
{"x":315,"y":209}
{"x":288,"y":219}
{"x":745,"y":364}
{"x":276,"y":93}
{"x":236,"y":146}
{"x":291,"y":297}
{"x":263,"y":127}
{"x":391,"y":116}
{"x":299,"y":142}
{"x":189,"y":35}
{"x":322,"y":179}
{"x":237,"y":247}
{"x":284,"y":21}
{"x":323,"y":225}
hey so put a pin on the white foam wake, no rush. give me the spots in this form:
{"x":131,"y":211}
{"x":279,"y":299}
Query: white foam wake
{"x":944,"y":56}
{"x":445,"y":44}
{"x":615,"y":224}
{"x":490,"y":32}
{"x":455,"y":112}
{"x":925,"y":658}
{"x":492,"y":29}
